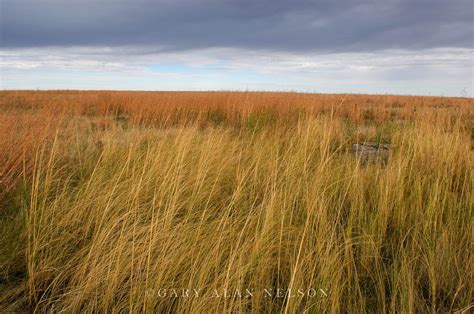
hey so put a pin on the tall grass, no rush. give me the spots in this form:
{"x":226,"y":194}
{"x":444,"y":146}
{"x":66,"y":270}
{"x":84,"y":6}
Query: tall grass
{"x":256,"y":208}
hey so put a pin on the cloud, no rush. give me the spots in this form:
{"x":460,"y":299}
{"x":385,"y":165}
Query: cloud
{"x":278,"y":25}
{"x":390,"y":46}
{"x":439,"y":71}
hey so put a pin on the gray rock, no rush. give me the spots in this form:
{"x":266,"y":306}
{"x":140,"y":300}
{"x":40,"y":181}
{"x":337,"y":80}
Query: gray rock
{"x":371,"y":152}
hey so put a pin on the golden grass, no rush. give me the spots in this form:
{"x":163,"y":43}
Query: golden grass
{"x":110,"y":200}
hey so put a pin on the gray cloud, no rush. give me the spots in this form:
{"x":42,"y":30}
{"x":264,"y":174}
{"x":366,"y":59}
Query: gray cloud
{"x":277,"y":25}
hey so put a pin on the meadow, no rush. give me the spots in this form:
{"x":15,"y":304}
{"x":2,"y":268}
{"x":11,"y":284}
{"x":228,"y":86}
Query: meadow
{"x":209,"y":202}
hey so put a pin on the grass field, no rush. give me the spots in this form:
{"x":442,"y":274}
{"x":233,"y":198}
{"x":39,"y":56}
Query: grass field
{"x":234,"y":202}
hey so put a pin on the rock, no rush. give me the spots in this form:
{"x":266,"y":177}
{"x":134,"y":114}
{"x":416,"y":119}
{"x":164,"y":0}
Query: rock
{"x":371,"y":152}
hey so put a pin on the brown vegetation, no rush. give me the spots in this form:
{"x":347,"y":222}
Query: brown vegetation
{"x":108,"y":197}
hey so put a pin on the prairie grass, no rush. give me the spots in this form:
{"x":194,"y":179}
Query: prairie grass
{"x":119,"y":201}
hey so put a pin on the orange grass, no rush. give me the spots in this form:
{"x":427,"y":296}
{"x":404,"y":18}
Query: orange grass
{"x":107,"y":197}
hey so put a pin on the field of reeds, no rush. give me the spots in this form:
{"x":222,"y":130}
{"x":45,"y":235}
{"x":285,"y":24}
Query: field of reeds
{"x":209,"y":202}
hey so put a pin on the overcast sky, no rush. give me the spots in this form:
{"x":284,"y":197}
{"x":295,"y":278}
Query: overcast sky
{"x":422,"y":47}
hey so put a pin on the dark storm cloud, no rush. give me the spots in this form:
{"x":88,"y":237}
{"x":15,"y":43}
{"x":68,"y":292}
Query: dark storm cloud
{"x":300,"y":25}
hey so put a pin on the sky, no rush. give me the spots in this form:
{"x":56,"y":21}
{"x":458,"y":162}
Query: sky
{"x":410,"y":47}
